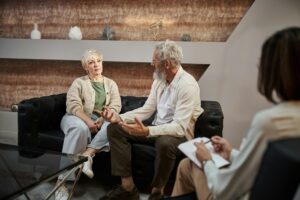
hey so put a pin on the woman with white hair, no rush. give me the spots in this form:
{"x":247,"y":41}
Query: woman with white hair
{"x":86,"y":97}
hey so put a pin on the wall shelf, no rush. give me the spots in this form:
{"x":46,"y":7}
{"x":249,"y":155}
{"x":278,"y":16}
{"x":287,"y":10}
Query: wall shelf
{"x":116,"y":51}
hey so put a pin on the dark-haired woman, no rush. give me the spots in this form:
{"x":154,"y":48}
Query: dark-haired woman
{"x":279,"y":82}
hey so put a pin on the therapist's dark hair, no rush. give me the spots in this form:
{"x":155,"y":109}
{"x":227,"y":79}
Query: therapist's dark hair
{"x":279,"y":68}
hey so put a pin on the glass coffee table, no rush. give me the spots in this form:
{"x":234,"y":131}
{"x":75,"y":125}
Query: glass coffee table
{"x":22,"y":169}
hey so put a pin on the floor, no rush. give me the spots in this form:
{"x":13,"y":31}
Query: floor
{"x":87,"y":189}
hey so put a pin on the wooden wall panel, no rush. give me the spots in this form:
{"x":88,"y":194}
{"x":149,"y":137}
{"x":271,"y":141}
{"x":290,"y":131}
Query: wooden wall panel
{"x":23,"y":79}
{"x":203,"y":20}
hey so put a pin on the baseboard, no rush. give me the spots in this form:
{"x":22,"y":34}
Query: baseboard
{"x":7,"y":137}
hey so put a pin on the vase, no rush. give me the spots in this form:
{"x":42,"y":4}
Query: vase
{"x":75,"y":33}
{"x":35,"y":33}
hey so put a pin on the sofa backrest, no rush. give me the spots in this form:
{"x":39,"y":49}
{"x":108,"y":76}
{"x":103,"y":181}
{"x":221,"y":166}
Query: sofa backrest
{"x":131,"y":103}
{"x":210,"y":122}
{"x":45,"y":113}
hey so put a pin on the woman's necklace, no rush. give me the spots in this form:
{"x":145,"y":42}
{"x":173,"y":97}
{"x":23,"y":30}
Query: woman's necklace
{"x":97,"y":79}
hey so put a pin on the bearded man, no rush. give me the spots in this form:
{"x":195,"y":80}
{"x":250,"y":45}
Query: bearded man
{"x":175,"y":97}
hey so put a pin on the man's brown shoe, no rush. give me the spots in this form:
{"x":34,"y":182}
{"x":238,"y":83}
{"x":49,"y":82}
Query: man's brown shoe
{"x":119,"y":193}
{"x":155,"y":196}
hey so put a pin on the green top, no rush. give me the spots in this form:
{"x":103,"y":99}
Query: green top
{"x":100,"y":96}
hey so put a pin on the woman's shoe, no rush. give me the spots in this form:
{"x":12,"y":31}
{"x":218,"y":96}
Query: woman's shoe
{"x":62,"y":193}
{"x":87,"y":167}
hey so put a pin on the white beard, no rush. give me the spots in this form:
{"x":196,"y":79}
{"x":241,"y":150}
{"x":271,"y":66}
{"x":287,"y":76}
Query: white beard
{"x":157,"y":75}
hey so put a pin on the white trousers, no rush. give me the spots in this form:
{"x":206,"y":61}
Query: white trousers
{"x":78,"y":136}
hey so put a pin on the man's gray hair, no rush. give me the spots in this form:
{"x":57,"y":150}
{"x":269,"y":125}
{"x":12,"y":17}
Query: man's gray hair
{"x":87,"y":56}
{"x":170,"y":50}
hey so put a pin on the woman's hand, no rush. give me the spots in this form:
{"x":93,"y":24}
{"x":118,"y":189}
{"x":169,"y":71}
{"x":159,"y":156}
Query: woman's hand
{"x":110,"y":115}
{"x":136,"y":128}
{"x":93,"y":126}
{"x":99,"y":122}
{"x":202,"y":153}
{"x":222,"y":147}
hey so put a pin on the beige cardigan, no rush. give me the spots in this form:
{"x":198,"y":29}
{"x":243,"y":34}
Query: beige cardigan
{"x":81,"y":95}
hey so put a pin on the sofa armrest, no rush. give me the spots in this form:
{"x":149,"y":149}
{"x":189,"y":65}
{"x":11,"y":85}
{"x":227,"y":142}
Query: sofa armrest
{"x":38,"y":115}
{"x":27,"y":124}
{"x":210,"y":122}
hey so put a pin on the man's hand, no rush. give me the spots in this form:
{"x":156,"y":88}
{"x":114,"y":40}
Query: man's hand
{"x":110,"y":115}
{"x":136,"y":128}
{"x":222,"y":147}
{"x":202,"y":153}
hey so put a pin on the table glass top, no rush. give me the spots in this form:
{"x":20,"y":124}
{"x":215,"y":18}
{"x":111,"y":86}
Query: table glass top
{"x":22,"y":169}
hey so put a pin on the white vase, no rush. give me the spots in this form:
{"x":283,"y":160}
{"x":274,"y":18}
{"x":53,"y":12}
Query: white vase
{"x":75,"y":33}
{"x":35,"y":33}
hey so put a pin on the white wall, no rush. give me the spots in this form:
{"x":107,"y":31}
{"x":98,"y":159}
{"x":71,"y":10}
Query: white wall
{"x":232,"y":79}
{"x":8,"y":127}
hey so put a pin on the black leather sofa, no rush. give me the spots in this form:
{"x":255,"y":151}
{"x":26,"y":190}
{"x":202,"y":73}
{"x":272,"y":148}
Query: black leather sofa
{"x":39,"y":127}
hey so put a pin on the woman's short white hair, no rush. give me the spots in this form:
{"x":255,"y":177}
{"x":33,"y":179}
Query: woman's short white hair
{"x":88,"y":54}
{"x":170,"y":50}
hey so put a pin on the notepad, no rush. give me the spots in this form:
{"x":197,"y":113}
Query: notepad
{"x":189,"y":149}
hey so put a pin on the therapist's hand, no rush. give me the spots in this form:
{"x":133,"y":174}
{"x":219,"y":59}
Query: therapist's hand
{"x":202,"y":153}
{"x":222,"y":147}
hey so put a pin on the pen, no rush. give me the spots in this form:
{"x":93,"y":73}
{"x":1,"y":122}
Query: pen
{"x":208,"y":141}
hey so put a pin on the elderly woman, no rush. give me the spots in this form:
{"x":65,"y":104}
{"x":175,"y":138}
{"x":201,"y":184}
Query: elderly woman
{"x":85,"y":99}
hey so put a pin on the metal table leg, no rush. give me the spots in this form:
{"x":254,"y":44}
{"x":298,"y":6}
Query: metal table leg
{"x":60,"y":183}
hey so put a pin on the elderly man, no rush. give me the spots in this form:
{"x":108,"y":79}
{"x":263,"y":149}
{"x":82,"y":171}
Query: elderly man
{"x":175,"y":95}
